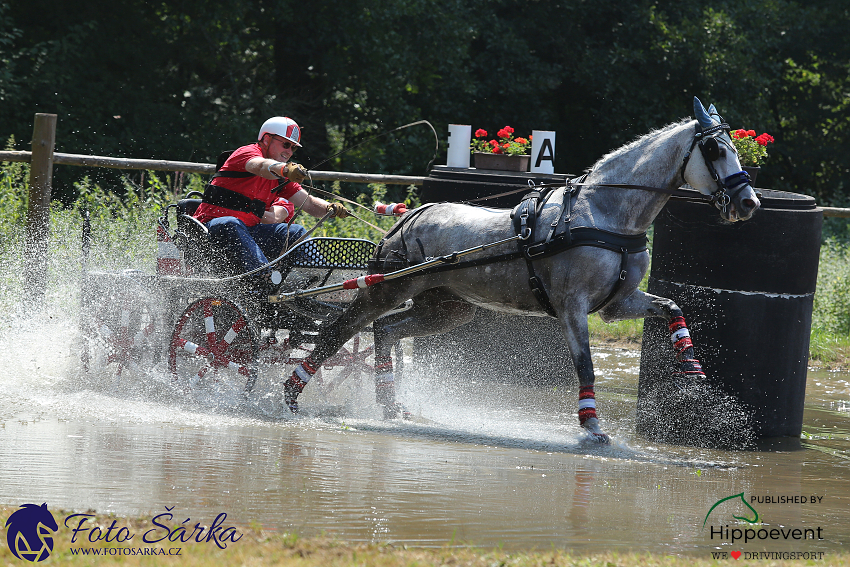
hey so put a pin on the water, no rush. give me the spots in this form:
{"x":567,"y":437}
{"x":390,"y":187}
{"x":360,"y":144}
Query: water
{"x":484,"y":463}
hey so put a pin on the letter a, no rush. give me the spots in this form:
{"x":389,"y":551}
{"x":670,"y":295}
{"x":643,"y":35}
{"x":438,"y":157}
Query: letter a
{"x":546,"y":152}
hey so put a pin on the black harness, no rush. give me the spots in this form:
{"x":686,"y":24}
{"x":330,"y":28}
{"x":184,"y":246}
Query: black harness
{"x":539,"y":241}
{"x":233,"y":200}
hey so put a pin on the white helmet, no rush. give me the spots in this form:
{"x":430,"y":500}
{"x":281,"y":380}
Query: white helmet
{"x":283,"y":127}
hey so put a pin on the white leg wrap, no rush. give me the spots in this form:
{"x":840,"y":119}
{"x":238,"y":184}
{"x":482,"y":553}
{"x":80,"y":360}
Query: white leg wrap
{"x":303,"y":375}
{"x":679,"y":335}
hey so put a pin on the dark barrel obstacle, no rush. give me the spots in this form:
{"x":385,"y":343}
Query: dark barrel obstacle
{"x":747,"y":293}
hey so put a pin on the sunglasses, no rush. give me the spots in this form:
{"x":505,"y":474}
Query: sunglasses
{"x":285,"y":143}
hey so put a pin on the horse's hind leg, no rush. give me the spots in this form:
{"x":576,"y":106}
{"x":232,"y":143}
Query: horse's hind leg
{"x":639,"y":305}
{"x":434,"y":311}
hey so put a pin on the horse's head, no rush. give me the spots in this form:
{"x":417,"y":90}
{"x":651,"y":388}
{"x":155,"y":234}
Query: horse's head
{"x":715,"y":170}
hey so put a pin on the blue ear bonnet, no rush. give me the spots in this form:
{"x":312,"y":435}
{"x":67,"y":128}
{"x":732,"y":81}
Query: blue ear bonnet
{"x":702,"y":115}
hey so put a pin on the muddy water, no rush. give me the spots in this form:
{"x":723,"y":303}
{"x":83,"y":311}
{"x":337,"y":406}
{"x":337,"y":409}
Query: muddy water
{"x":484,"y":463}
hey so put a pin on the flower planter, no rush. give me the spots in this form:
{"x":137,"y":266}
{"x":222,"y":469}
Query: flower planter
{"x":753,"y":171}
{"x":486,"y":160}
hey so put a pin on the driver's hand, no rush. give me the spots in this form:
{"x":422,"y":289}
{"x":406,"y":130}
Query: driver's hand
{"x":339,"y":210}
{"x":294,"y":172}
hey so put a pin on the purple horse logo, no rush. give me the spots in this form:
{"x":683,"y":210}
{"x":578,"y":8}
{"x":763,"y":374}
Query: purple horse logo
{"x":30,"y":532}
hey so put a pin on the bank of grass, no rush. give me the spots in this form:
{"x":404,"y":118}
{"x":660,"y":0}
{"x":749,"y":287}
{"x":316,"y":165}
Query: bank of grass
{"x":258,"y":548}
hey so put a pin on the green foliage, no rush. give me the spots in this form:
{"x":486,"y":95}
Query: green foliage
{"x":184,"y":81}
{"x":14,"y":188}
{"x":832,"y":300}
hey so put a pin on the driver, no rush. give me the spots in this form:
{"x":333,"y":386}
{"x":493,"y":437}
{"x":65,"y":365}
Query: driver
{"x":252,"y":197}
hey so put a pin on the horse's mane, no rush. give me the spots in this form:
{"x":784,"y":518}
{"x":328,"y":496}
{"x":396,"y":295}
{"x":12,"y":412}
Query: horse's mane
{"x":638,"y":142}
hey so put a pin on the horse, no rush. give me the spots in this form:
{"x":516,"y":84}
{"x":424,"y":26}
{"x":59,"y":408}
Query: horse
{"x":599,"y":269}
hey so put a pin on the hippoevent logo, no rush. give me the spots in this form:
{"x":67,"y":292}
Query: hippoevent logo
{"x":740,"y":496}
{"x":752,"y":528}
{"x":31,"y":529}
{"x":30,"y":532}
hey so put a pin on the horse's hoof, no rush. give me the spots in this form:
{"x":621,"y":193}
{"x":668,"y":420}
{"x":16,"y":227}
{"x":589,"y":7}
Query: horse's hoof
{"x":397,"y":410}
{"x":595,"y":432}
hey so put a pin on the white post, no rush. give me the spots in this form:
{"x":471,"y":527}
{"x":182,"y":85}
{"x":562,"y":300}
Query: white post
{"x":542,"y":151}
{"x":459,"y":138}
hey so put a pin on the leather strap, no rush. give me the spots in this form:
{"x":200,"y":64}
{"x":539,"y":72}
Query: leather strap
{"x":228,"y":199}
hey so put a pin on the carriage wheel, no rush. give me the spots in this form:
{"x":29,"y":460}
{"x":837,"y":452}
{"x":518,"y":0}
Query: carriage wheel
{"x":119,"y":325}
{"x":352,"y":361}
{"x":355,"y":359}
{"x":214,"y":346}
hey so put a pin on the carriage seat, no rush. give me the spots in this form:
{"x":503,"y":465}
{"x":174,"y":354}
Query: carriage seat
{"x":192,"y":238}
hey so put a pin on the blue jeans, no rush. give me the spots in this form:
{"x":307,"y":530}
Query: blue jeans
{"x":252,"y":246}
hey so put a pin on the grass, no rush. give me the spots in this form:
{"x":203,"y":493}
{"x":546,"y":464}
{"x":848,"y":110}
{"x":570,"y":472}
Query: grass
{"x":259,"y":548}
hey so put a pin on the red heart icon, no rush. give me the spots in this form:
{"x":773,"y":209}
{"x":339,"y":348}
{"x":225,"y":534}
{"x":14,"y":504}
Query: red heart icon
{"x":735,"y":554}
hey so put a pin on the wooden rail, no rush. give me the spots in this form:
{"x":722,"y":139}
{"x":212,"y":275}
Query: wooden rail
{"x":202,"y":168}
{"x":836,"y":212}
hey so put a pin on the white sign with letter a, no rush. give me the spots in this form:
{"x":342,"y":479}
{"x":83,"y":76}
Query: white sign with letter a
{"x":542,"y":151}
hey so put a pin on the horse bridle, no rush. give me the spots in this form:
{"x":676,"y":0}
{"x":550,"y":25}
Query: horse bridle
{"x":707,"y":142}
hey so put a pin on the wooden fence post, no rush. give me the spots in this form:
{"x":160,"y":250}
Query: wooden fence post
{"x":38,"y":212}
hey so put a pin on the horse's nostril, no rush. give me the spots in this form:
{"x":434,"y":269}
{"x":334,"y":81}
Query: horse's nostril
{"x":749,"y":204}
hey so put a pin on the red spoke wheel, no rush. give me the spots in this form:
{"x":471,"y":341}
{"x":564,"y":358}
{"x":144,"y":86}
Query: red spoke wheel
{"x":120,"y":325}
{"x":214,"y":346}
{"x":351,"y":360}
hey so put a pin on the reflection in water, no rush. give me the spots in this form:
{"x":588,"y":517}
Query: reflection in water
{"x":486,"y":464}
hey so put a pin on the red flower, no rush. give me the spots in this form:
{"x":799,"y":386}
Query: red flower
{"x":751,"y":133}
{"x":480,"y":133}
{"x":764,"y":139}
{"x":497,"y":149}
{"x":738,"y":134}
{"x":508,"y":129}
{"x":503,"y":133}
{"x":494,"y":143}
{"x":521,"y":141}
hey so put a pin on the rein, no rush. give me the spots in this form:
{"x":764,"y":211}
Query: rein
{"x":720,"y":198}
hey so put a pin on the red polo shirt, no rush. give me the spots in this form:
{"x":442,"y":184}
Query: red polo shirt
{"x":255,"y":187}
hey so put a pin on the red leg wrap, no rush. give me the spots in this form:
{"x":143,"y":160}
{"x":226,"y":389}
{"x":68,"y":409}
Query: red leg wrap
{"x":586,"y":404}
{"x":684,"y":347}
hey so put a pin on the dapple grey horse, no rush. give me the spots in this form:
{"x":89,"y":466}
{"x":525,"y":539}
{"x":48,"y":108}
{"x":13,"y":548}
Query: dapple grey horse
{"x":576,"y":280}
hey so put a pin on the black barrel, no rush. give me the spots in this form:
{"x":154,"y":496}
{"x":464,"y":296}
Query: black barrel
{"x":747,"y":292}
{"x":464,"y":184}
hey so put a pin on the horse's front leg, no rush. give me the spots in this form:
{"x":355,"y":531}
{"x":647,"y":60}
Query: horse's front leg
{"x":369,"y":304}
{"x":578,"y":341}
{"x":639,"y":305}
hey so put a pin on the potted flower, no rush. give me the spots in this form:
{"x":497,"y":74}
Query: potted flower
{"x":752,"y":150}
{"x":505,"y":153}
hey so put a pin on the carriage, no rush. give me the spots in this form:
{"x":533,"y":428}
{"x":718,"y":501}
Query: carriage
{"x":207,"y":326}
